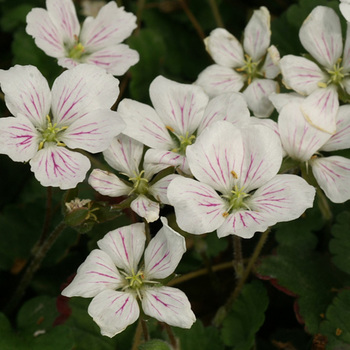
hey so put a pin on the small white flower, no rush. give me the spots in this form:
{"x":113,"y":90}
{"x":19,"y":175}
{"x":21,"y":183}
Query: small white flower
{"x":57,"y":32}
{"x":80,"y":118}
{"x":249,"y":68}
{"x":125,"y":154}
{"x":181,"y":112}
{"x":322,"y":81}
{"x":238,"y":191}
{"x":115,"y":279}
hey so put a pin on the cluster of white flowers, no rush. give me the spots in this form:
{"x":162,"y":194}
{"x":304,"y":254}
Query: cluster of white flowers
{"x":226,"y":162}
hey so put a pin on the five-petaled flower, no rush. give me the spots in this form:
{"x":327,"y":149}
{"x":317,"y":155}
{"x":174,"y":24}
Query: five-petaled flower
{"x":117,"y":282}
{"x":238,"y":191}
{"x":125,"y":154}
{"x":325,"y":80}
{"x":80,"y":102}
{"x":250,"y":68}
{"x":57,"y":32}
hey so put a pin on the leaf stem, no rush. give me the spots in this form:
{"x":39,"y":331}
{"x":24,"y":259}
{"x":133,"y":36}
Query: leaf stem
{"x":193,"y":19}
{"x":216,"y":13}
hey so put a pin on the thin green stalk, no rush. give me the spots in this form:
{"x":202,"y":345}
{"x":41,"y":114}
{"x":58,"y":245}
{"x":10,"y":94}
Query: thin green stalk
{"x":193,"y":19}
{"x":137,"y":336}
{"x":144,"y":330}
{"x":238,"y":257}
{"x":216,"y":13}
{"x":171,"y":335}
{"x":223,"y":311}
{"x":33,"y":267}
{"x":140,"y":7}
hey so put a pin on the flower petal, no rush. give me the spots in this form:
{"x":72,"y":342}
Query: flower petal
{"x":125,"y":246}
{"x":124,"y":154}
{"x":333,"y":176}
{"x":94,"y":275}
{"x":159,"y":189}
{"x":114,"y":59}
{"x":144,"y":125}
{"x":224,"y":48}
{"x":321,"y":36}
{"x":94,"y":131}
{"x":320,"y":109}
{"x":111,"y":26}
{"x":257,"y":34}
{"x":164,"y":252}
{"x":257,"y":96}
{"x":81,"y":90}
{"x":169,"y":305}
{"x":344,"y":8}
{"x":216,"y":80}
{"x":271,"y":65}
{"x":180,"y":106}
{"x":113,"y":311}
{"x":301,"y":74}
{"x":228,"y":106}
{"x":18,"y":138}
{"x":108,"y":184}
{"x":341,"y":139}
{"x":59,"y":167}
{"x":280,"y":100}
{"x":198,"y":208}
{"x":346,"y":54}
{"x":146,"y":208}
{"x":299,"y":139}
{"x":27,"y":93}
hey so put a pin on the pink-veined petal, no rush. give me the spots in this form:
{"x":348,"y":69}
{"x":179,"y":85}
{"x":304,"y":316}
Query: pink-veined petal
{"x":63,"y":15}
{"x":344,"y":8}
{"x":333,"y":176}
{"x":198,"y":208}
{"x":224,"y":48}
{"x":257,"y":34}
{"x":144,"y":125}
{"x":341,"y":139}
{"x":48,"y":37}
{"x":280,"y":100}
{"x":125,"y":246}
{"x":346,"y":54}
{"x":94,"y":275}
{"x":262,"y":156}
{"x":113,"y":311}
{"x":216,"y":80}
{"x":111,"y":26}
{"x":27,"y":93}
{"x":321,"y":36}
{"x":18,"y":138}
{"x":124,"y":154}
{"x":164,"y":252}
{"x":59,"y":167}
{"x":321,"y":107}
{"x":230,"y":106}
{"x":108,"y":184}
{"x":159,"y":189}
{"x":271,"y":65}
{"x":94,"y":131}
{"x":299,"y":139}
{"x":114,"y":59}
{"x":159,"y":160}
{"x":145,"y":208}
{"x":169,"y":305}
{"x":81,"y":90}
{"x":301,"y":74}
{"x":180,"y":106}
{"x":217,"y":155}
{"x":257,"y":96}
{"x":67,"y":62}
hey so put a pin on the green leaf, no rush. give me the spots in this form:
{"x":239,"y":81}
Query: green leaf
{"x":336,"y":326}
{"x":246,"y":317}
{"x":14,"y":17}
{"x":199,"y":337}
{"x":155,"y":344}
{"x":339,"y":245}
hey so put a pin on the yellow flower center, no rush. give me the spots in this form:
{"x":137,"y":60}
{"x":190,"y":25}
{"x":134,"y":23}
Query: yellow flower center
{"x":50,"y":134}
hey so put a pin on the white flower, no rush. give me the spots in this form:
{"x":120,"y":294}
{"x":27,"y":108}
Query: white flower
{"x":303,"y":142}
{"x":80,"y":118}
{"x":238,"y":191}
{"x":249,"y":68}
{"x":181,"y":112}
{"x":125,"y":154}
{"x":115,"y":279}
{"x":321,"y":82}
{"x":57,"y":32}
{"x":344,"y":7}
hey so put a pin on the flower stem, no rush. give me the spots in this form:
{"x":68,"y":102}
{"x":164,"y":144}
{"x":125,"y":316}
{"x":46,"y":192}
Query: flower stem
{"x":171,"y":336}
{"x":223,"y":311}
{"x":238,"y":257}
{"x":193,"y":19}
{"x":137,"y":336}
{"x":33,"y":267}
{"x":144,"y":330}
{"x":216,"y":13}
